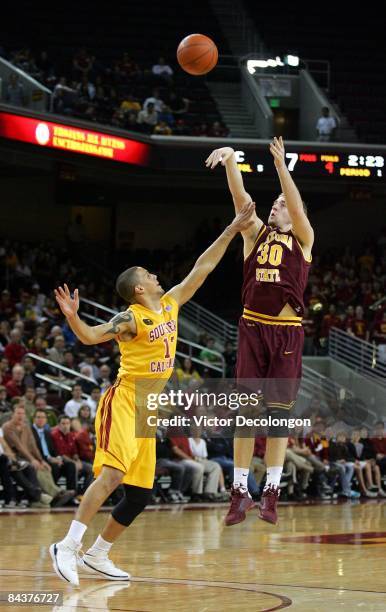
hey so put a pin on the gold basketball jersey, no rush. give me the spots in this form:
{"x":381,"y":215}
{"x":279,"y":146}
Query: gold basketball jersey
{"x":151,"y":353}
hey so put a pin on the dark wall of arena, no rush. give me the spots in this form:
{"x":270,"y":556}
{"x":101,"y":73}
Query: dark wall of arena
{"x":30,"y":210}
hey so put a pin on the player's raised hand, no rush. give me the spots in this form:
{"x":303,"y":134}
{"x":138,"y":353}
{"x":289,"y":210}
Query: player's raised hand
{"x":277,"y":149}
{"x":243,"y":219}
{"x":219,"y":155}
{"x":68,"y":305}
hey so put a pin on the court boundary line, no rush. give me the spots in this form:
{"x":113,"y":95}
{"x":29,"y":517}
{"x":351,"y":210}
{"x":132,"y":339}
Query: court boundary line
{"x":220,"y":583}
{"x":247,"y":587}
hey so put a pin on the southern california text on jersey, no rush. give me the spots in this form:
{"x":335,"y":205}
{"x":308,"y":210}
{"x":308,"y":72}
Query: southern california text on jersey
{"x":151,"y":353}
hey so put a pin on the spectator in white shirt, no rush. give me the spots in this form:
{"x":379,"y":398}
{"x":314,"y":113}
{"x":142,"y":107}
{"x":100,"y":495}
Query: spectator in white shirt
{"x":71,"y":408}
{"x":93,"y":400}
{"x":199,"y":452}
{"x":325,"y":126}
{"x":148,"y":118}
{"x":155,"y":100}
{"x":163,"y":70}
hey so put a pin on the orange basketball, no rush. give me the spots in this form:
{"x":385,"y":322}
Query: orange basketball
{"x":197,"y":54}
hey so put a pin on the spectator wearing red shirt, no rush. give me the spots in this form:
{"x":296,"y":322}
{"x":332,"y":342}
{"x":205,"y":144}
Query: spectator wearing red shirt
{"x":317,"y":441}
{"x":331,"y":319}
{"x":367,"y":297}
{"x":15,"y":350}
{"x":15,"y":387}
{"x":379,"y":445}
{"x":65,"y":446}
{"x":379,"y":332}
{"x":358,"y":326}
{"x":83,"y":441}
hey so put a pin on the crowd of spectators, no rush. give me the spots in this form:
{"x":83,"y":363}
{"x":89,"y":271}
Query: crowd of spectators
{"x":47,"y":437}
{"x":124,"y":94}
{"x":347,"y":290}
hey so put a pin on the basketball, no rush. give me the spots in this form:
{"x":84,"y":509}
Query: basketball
{"x":197,"y":54}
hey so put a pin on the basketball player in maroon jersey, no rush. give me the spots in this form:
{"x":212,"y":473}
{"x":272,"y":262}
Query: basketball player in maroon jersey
{"x":277,"y":258}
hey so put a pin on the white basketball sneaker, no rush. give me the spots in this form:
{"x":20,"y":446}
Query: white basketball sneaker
{"x":98,"y":563}
{"x":64,"y":556}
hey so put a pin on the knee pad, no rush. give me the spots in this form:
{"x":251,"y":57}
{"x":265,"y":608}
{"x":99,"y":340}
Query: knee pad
{"x":132,"y":503}
{"x":278,"y":427}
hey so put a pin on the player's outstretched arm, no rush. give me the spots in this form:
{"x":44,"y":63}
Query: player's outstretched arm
{"x":300,"y":223}
{"x":226,"y":156}
{"x":207,"y":262}
{"x":122,"y":323}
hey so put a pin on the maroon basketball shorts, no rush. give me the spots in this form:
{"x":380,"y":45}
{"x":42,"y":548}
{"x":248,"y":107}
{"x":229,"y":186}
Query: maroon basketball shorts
{"x":270,"y":352}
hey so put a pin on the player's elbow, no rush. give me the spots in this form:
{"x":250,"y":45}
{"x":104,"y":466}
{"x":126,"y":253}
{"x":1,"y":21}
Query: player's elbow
{"x":87,"y":340}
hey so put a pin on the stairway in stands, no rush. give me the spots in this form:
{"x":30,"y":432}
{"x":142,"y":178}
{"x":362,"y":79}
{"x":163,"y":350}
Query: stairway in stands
{"x":232,"y":108}
{"x":354,"y":43}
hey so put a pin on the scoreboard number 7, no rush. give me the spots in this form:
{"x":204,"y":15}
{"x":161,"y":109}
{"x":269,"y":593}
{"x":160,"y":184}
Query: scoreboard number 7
{"x":293,"y":158}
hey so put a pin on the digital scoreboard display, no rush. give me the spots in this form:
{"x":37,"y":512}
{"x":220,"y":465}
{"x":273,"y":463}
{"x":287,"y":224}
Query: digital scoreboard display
{"x":318,"y":164}
{"x":330,"y":162}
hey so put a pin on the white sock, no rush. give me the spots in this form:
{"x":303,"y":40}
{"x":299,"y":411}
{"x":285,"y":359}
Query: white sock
{"x":240,"y":478}
{"x":100,"y":545}
{"x":273,"y":476}
{"x":76,"y":531}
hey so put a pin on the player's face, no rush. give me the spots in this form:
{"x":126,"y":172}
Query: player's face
{"x":279,"y":217}
{"x":150,"y":283}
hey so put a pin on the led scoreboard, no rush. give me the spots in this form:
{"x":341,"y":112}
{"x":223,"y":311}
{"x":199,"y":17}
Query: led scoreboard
{"x":319,"y":164}
{"x":324,"y":161}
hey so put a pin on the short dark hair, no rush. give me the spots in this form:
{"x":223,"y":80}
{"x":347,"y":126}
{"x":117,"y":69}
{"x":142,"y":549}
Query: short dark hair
{"x":125,"y":284}
{"x":62,"y":417}
{"x":41,"y":411}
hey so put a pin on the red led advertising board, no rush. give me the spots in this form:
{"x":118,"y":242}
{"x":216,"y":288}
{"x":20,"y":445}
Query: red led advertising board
{"x":73,"y":139}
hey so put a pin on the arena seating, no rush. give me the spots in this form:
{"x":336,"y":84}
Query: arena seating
{"x":121,"y":30}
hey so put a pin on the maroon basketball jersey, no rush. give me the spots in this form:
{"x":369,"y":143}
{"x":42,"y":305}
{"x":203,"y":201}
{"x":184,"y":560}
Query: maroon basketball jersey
{"x":275,"y":273}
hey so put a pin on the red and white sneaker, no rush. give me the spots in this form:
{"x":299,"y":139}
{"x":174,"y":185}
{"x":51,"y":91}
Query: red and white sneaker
{"x":241,"y":502}
{"x":268,"y":504}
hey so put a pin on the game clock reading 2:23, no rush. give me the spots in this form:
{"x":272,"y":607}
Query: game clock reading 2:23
{"x":317,"y":164}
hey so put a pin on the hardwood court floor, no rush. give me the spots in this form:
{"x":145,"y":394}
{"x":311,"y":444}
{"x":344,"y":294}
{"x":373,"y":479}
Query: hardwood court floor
{"x":319,"y":557}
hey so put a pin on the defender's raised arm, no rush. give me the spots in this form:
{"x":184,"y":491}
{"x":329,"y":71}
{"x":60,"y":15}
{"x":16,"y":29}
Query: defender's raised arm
{"x":207,"y":262}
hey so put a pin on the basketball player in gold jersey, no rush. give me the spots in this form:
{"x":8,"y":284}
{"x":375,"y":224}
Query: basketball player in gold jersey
{"x":147,"y":336}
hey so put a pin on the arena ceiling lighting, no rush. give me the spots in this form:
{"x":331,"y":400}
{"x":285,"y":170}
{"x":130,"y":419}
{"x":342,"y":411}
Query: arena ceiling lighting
{"x":289,"y":60}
